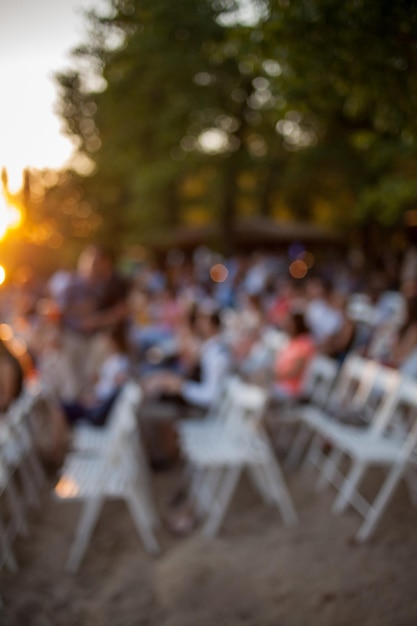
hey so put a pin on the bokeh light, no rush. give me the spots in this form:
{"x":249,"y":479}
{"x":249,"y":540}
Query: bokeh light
{"x":18,"y":346}
{"x":10,"y":216}
{"x":298,"y":269}
{"x":6,"y":332}
{"x":308,"y":258}
{"x":67,"y":488}
{"x":219,"y":273}
{"x":295,"y":250}
{"x":2,"y":274}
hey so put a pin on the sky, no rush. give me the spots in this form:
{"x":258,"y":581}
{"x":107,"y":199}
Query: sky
{"x":36,"y":37}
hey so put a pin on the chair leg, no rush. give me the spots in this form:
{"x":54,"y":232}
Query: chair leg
{"x":37,"y":469}
{"x":411,"y":480}
{"x":209,"y":485}
{"x":329,"y":469}
{"x":29,"y":488}
{"x":280,"y":492}
{"x":89,"y":517}
{"x":298,"y":447}
{"x":380,"y":503}
{"x":144,"y":487}
{"x":314,"y":453}
{"x":16,"y":509}
{"x":349,"y":488}
{"x":6,"y":550}
{"x":260,"y":483}
{"x":220,"y":504}
{"x":141,"y":520}
{"x":197,"y":477}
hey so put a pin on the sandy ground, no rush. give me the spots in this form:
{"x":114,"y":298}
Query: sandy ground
{"x":255,"y":573}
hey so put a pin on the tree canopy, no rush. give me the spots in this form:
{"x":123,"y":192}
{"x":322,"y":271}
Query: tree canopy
{"x":190,"y":111}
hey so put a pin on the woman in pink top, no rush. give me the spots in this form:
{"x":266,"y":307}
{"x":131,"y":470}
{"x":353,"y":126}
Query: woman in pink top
{"x":292,"y":361}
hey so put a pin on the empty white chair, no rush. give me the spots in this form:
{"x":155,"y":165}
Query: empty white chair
{"x":390,"y":441}
{"x":219,"y":456}
{"x":105,"y":465}
{"x":317,"y":384}
{"x":348,"y":399}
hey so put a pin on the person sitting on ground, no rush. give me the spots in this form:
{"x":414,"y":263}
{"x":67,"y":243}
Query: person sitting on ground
{"x":94,"y":407}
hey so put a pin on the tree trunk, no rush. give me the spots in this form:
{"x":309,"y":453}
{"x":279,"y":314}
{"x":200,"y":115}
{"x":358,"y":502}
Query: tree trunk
{"x":228,"y":211}
{"x":172,"y":206}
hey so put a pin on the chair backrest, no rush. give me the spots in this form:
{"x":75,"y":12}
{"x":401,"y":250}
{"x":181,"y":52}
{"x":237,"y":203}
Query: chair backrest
{"x":360,"y":309}
{"x":245,"y":407}
{"x":354,"y":383}
{"x":319,"y":379}
{"x":122,"y":428}
{"x":4,"y":439}
{"x":399,"y":420}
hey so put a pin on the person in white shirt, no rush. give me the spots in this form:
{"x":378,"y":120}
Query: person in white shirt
{"x":203,"y":389}
{"x":323,"y":319}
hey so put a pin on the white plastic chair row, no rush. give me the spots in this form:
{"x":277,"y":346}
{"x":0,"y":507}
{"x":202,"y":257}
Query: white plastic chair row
{"x":387,"y":438}
{"x":220,"y":448}
{"x":109,"y":463}
{"x":341,"y":394}
{"x":21,"y":474}
{"x":318,"y":382}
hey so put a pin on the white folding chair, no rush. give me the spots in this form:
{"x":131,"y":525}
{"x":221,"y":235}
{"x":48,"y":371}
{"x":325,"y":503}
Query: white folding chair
{"x":88,"y":439}
{"x":110,"y":464}
{"x":349,"y":395}
{"x":21,"y":474}
{"x":317,"y":383}
{"x":20,"y":451}
{"x":216,"y":416}
{"x":16,"y":523}
{"x":390,"y":441}
{"x":258,"y":363}
{"x":218,"y":457}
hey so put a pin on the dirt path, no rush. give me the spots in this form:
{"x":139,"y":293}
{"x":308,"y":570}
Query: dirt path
{"x":255,"y":573}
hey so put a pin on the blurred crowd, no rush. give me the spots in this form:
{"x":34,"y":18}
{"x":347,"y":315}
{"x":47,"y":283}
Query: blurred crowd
{"x":180,"y":329}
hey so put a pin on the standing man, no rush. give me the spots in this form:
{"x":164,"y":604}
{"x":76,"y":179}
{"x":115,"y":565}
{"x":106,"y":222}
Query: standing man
{"x":94,"y":301}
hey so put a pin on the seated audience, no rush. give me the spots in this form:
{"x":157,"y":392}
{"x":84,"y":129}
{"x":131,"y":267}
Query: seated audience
{"x":95,"y":406}
{"x":204,"y":387}
{"x":338,"y":344}
{"x":293,"y":360}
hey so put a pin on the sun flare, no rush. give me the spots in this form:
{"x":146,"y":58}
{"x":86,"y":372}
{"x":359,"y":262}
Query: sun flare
{"x":10,"y":216}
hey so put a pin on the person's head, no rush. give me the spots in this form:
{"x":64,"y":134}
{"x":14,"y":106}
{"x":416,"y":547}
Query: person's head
{"x":86,"y":263}
{"x":339,"y":301}
{"x":295,"y":324}
{"x":118,"y":339}
{"x":104,"y":262}
{"x":95,"y":263}
{"x":411,"y":308}
{"x":208,"y":323}
{"x":318,"y":288}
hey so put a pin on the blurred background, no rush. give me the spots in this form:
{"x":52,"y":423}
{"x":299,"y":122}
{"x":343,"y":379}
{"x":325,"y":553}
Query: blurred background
{"x":151,"y":125}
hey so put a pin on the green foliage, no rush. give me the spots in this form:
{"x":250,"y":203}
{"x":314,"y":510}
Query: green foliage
{"x":313,"y":102}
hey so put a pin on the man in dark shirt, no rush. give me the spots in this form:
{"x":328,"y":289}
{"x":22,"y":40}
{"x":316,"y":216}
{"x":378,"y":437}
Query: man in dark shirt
{"x":94,"y":301}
